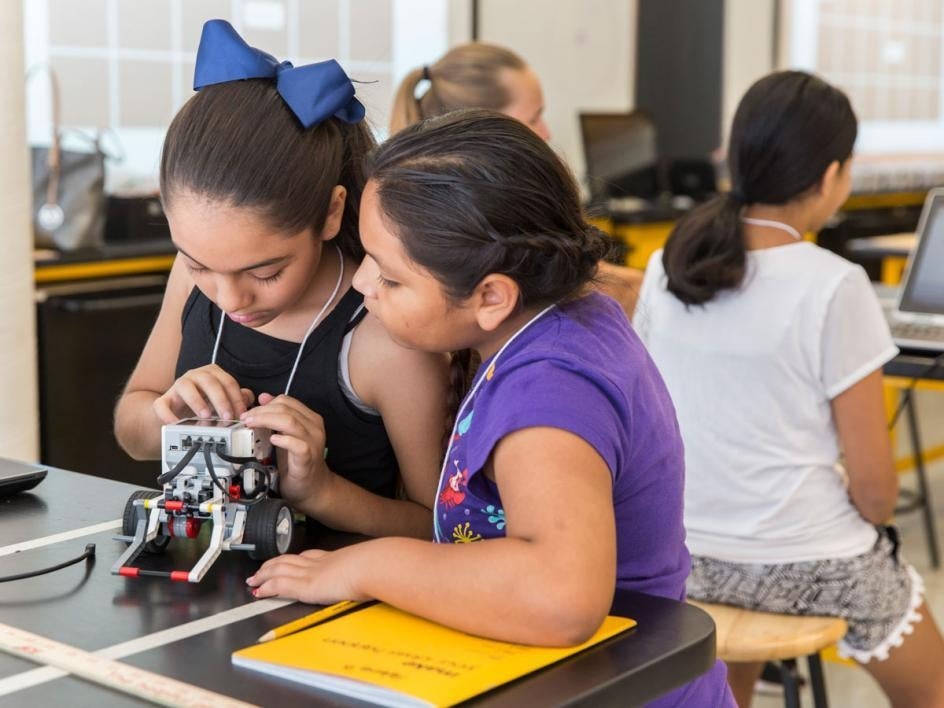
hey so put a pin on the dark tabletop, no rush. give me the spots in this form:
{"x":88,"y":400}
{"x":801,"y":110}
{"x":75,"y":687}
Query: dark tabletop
{"x":635,"y":211}
{"x":87,"y":607}
{"x":916,"y":364}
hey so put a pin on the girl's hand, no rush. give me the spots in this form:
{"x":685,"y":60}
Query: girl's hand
{"x":298,"y":433}
{"x":316,"y":577}
{"x":202,"y":393}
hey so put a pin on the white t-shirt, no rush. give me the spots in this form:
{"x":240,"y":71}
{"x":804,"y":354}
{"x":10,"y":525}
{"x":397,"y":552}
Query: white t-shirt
{"x":752,"y":373}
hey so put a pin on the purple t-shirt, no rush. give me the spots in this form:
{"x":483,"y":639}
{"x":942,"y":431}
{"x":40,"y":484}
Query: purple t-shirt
{"x":581,"y":368}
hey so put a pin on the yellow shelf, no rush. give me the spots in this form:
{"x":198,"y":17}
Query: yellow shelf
{"x":59,"y":272}
{"x":884,"y":200}
{"x":643,"y":239}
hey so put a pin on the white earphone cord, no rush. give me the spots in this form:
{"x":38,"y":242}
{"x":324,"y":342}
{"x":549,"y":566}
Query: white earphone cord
{"x":311,"y":327}
{"x":774,"y":225}
{"x":481,"y":376}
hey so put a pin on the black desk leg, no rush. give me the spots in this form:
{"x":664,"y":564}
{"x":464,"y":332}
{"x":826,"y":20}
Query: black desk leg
{"x":817,"y":682}
{"x":791,"y":683}
{"x":923,"y":490}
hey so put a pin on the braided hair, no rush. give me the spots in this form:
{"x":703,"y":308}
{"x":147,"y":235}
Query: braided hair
{"x":474,"y":193}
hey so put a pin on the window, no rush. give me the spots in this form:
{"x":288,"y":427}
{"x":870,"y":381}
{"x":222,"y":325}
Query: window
{"x":887,"y":55}
{"x":127,"y":65}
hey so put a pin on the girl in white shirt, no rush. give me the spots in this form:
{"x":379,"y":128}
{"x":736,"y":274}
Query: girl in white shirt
{"x":772,"y":349}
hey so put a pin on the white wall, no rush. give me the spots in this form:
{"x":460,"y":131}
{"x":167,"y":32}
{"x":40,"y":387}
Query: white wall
{"x":19,"y":414}
{"x":582,"y":50}
{"x":748,"y":51}
{"x":421,"y":34}
{"x":460,"y":21}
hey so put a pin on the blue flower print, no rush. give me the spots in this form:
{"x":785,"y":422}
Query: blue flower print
{"x":464,"y":424}
{"x":495,"y":516}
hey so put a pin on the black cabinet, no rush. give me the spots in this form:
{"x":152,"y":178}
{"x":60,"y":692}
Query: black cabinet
{"x":90,"y":335}
{"x":861,"y":223}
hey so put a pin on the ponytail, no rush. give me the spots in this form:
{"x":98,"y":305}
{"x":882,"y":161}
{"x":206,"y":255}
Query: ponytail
{"x":788,"y":128}
{"x":705,"y":252}
{"x":406,"y":108}
{"x":467,"y":76}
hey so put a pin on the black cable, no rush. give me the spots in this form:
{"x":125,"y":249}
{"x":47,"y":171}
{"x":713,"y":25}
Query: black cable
{"x":207,"y":447}
{"x":227,"y":458}
{"x":89,"y":553}
{"x":906,"y":396}
{"x":264,"y":491}
{"x":207,"y":458}
{"x":179,"y":467}
{"x":252,"y":463}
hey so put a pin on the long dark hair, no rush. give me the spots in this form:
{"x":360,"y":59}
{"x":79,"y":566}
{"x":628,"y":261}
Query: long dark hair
{"x":239,"y":143}
{"x":475,"y":192}
{"x":788,"y":128}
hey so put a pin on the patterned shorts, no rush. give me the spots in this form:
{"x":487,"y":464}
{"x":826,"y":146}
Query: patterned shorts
{"x":877,"y":593}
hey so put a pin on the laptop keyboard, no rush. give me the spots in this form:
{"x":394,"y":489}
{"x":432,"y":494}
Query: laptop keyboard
{"x":917,"y":331}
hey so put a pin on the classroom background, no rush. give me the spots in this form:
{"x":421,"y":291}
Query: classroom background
{"x":638,"y":96}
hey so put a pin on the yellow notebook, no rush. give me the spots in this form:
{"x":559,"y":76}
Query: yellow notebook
{"x":385,"y":656}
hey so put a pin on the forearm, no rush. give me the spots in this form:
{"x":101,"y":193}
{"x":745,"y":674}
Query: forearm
{"x":876,"y":505}
{"x":873,"y":481}
{"x":549,"y":581}
{"x":345,"y":506}
{"x":137,"y":427}
{"x":859,"y":413}
{"x":509,"y":589}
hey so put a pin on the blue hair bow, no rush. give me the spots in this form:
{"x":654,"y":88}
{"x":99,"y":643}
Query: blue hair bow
{"x":314,"y":92}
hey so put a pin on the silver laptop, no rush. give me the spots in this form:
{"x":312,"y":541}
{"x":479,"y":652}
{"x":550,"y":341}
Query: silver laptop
{"x":18,"y":477}
{"x":917,"y":321}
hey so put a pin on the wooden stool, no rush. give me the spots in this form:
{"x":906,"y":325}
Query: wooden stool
{"x":748,"y":636}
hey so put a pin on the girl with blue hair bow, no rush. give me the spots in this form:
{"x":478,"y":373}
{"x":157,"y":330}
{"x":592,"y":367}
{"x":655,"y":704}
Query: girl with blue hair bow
{"x":261,"y":176}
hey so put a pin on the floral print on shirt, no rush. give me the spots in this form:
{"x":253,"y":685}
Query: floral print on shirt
{"x":468,"y":508}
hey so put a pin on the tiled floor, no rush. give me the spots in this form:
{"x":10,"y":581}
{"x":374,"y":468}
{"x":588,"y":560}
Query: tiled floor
{"x":849,"y":685}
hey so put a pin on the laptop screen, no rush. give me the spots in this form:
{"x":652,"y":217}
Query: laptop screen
{"x":924,"y":283}
{"x":620,"y":153}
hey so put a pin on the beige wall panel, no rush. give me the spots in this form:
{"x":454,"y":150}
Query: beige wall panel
{"x":19,"y":416}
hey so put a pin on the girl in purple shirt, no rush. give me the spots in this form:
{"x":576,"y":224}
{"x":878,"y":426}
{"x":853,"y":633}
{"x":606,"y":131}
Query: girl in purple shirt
{"x":563,"y":472}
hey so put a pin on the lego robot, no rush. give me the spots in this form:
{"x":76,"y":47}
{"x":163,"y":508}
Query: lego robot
{"x":216,"y":471}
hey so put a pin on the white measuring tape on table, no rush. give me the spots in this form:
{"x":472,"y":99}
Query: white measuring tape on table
{"x":107,"y":672}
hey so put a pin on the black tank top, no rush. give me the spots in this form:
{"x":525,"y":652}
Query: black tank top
{"x":358,"y":446}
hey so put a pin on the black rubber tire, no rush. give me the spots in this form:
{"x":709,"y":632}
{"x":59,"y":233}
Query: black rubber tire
{"x":270,"y":527}
{"x":129,"y":521}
